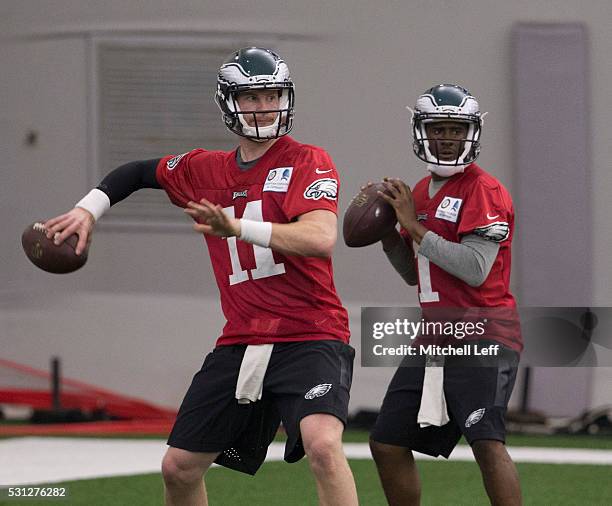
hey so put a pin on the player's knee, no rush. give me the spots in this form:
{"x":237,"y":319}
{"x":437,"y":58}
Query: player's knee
{"x":383,"y":453}
{"x":324,"y":452}
{"x":488,"y":450}
{"x":178,"y":473}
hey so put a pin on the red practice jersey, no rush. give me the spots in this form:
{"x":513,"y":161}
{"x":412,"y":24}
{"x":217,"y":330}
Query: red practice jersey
{"x":472,"y":202}
{"x":266,"y":296}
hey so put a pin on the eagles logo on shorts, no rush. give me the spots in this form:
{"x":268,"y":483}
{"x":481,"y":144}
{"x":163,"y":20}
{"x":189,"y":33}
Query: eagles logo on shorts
{"x":318,"y":391}
{"x":475,"y":417}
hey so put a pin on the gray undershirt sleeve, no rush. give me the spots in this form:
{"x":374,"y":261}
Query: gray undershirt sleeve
{"x":402,"y":261}
{"x":470,"y":260}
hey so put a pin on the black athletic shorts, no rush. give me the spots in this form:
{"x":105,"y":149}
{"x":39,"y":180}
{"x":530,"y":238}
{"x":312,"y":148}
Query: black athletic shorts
{"x":476,"y":398}
{"x":302,"y":378}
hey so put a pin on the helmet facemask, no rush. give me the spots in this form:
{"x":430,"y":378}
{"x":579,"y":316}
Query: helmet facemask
{"x":260,"y":133}
{"x":468,"y":151}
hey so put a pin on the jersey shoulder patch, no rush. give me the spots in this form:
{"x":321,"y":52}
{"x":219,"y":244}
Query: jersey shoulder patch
{"x":173,"y":162}
{"x":497,"y":231}
{"x":322,"y":188}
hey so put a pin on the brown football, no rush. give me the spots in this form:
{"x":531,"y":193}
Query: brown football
{"x":49,"y":257}
{"x":368,"y":218}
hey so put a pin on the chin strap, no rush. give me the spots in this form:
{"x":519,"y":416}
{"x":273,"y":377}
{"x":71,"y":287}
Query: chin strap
{"x":445,"y":170}
{"x":265,"y":132}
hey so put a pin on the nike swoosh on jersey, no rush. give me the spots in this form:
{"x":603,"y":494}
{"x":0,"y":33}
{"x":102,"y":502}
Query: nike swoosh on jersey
{"x":492,"y":217}
{"x":319,"y":171}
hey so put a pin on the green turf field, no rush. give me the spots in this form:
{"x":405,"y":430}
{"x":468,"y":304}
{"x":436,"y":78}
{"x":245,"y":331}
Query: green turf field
{"x":277,"y":483}
{"x":444,"y":483}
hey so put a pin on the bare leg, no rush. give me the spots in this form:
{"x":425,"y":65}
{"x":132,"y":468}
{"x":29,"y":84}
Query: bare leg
{"x":499,"y":473}
{"x":183,"y":473}
{"x":322,"y":438}
{"x":398,"y":474}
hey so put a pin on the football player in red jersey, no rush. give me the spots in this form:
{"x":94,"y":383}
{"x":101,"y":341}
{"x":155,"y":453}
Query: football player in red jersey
{"x":462,"y":218}
{"x":268,"y":214}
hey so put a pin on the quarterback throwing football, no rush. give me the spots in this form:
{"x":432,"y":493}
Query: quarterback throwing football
{"x":268,"y":214}
{"x":462,"y":218}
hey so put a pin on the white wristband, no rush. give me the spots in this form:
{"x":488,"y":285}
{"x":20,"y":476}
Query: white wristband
{"x":96,"y":202}
{"x":256,"y":232}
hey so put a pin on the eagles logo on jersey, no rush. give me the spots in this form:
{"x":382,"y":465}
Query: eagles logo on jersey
{"x":171,"y":164}
{"x":322,"y":188}
{"x":496,"y":232}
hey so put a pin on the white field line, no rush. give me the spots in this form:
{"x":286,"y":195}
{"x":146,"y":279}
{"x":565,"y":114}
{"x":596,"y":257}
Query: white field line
{"x":32,"y":460}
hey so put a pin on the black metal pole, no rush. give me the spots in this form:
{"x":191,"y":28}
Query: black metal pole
{"x":525,"y":390}
{"x":55,"y":384}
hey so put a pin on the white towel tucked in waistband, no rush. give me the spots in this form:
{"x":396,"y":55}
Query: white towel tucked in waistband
{"x":252,"y":371}
{"x":433,"y":403}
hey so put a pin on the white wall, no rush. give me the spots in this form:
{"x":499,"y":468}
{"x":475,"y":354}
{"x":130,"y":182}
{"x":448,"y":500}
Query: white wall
{"x":356,"y":64}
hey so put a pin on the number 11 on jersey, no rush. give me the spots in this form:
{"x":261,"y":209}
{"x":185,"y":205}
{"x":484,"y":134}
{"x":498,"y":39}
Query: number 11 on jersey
{"x":264,"y":260}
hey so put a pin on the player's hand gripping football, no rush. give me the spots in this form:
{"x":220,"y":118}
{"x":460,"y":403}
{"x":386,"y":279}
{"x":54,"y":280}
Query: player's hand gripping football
{"x":76,"y":221}
{"x":401,"y":200}
{"x":210,"y":219}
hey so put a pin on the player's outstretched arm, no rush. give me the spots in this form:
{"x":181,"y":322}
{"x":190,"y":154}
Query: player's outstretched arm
{"x":312,"y":235}
{"x":116,"y":186}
